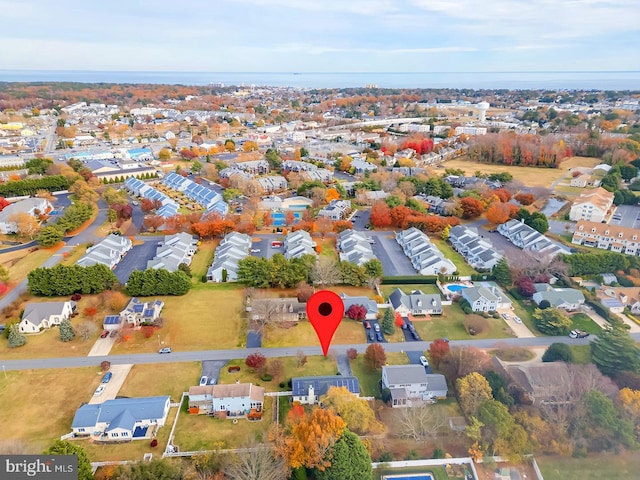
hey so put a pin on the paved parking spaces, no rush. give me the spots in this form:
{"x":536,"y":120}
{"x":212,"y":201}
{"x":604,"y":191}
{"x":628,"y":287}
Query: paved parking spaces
{"x":386,"y":249}
{"x":211,"y":369}
{"x":118,"y":376}
{"x":407,"y":331}
{"x":371,"y":333}
{"x":262,"y":245}
{"x":626,"y":216}
{"x":135,"y":259}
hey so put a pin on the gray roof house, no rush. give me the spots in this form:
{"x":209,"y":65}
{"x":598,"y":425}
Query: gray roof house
{"x":297,"y":244}
{"x":354,"y":247}
{"x":308,"y":390}
{"x":415,"y":303}
{"x":424,"y":255}
{"x":336,"y":210}
{"x":370,"y":305}
{"x":174,"y":250}
{"x":39,"y":316}
{"x":487,"y":297}
{"x":566,"y":298}
{"x":476,"y":250}
{"x":30,"y":206}
{"x":527,"y":238}
{"x":108,"y":252}
{"x":411,"y":385}
{"x":137,"y":312}
{"x":233,"y":248}
{"x":122,"y":418}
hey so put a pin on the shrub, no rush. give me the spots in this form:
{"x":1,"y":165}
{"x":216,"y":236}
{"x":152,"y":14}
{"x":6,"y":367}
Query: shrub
{"x":558,"y":352}
{"x":266,"y":377}
{"x":386,"y":457}
{"x":282,"y":384}
{"x":475,"y":325}
{"x":352,"y":354}
{"x":154,"y":443}
{"x":256,"y":361}
{"x":67,"y":333}
{"x":438,"y":453}
{"x":15,"y":337}
{"x":105,"y":365}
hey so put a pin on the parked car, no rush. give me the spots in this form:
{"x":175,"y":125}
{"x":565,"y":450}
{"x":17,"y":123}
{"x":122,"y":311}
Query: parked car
{"x":423,"y":361}
{"x":99,"y":390}
{"x":367,"y":325}
{"x":104,"y":334}
{"x":107,"y":377}
{"x":204,"y":380}
{"x":113,"y":333}
{"x":371,"y":336}
{"x":212,"y":381}
{"x":578,"y":334}
{"x":165,"y":350}
{"x":517,"y":319}
{"x":415,"y":335}
{"x":505,"y":316}
{"x":379,"y":336}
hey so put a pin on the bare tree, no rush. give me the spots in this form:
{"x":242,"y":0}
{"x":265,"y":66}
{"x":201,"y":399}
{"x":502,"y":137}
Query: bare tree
{"x":86,"y":330}
{"x":301,"y":358}
{"x":325,"y":272}
{"x":257,"y":463}
{"x":263,"y":312}
{"x":420,"y":422}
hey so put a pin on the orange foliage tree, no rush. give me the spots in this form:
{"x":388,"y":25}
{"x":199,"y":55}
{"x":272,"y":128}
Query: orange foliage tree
{"x":381,"y":215}
{"x":342,"y":225}
{"x":471,"y":207}
{"x":498,"y":213}
{"x":525,"y":198}
{"x":331,"y":194}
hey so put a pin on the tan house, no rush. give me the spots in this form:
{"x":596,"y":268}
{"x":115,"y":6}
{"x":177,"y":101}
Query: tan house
{"x":592,"y":205}
{"x":277,"y":309}
{"x":616,"y":299}
{"x":227,"y":401}
{"x":607,"y":237}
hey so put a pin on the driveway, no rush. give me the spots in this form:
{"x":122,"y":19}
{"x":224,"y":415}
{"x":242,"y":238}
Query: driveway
{"x":102,"y":346}
{"x":119,"y":375}
{"x":386,"y":249}
{"x":520,"y":330}
{"x":406,"y":331}
{"x":135,"y":259}
{"x":344,"y":367}
{"x":211,"y":368}
{"x":254,"y":339}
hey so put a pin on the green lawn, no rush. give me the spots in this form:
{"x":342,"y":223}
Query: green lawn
{"x":408,"y":288}
{"x":594,"y":467}
{"x":202,"y":259}
{"x":463,"y":267}
{"x":168,"y":379}
{"x":369,"y":379}
{"x":438,"y":473}
{"x":581,"y":353}
{"x":581,"y":321}
{"x":302,"y":334}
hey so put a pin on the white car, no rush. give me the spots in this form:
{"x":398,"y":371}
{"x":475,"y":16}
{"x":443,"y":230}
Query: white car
{"x":517,"y":319}
{"x":423,"y":361}
{"x":505,"y":316}
{"x":99,"y":391}
{"x":255,"y":250}
{"x":203,"y":380}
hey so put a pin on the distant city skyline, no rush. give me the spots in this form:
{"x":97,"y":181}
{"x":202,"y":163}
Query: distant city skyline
{"x":321,"y":36}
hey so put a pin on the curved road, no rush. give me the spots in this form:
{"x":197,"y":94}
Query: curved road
{"x":67,"y":362}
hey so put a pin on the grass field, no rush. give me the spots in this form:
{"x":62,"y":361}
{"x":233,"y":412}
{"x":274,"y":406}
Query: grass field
{"x":581,"y":353}
{"x":42,"y":422}
{"x":72,"y":257}
{"x":316,"y":365}
{"x":370,"y":379}
{"x":581,"y":321}
{"x":408,"y":288}
{"x":207,"y":317}
{"x":215,"y":433}
{"x":594,"y":467}
{"x":328,"y":247}
{"x":168,"y":379}
{"x":21,"y":262}
{"x":202,"y":259}
{"x":458,"y":260}
{"x":530,"y":176}
{"x":349,"y":331}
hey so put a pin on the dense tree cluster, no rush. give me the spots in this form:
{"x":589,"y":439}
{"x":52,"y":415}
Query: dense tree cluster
{"x":525,"y":150}
{"x":150,"y":282}
{"x":63,"y":280}
{"x":596,"y":263}
{"x":30,"y":186}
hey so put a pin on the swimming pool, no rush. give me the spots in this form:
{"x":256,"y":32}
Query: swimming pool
{"x":414,"y":476}
{"x":455,"y":287}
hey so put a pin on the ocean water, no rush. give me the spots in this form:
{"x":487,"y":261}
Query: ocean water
{"x":619,"y":80}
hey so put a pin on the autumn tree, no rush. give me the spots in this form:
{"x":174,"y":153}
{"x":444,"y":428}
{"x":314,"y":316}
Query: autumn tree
{"x":463,"y":361}
{"x":256,"y":361}
{"x":552,"y":321}
{"x":525,"y":198}
{"x":355,"y":411}
{"x":307,"y":438}
{"x":26,"y":224}
{"x":356,"y":312}
{"x":438,"y":349}
{"x":472,"y":390}
{"x":257,"y":462}
{"x":471,"y":207}
{"x":498,"y":213}
{"x":420,"y":422}
{"x":380,"y":215}
{"x":374,"y":356}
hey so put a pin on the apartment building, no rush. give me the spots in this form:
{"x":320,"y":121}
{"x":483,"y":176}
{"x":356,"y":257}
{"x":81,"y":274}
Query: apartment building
{"x":592,"y":205}
{"x":607,"y":237}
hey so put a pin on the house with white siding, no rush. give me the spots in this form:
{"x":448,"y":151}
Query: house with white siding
{"x":411,"y":385}
{"x":40,"y":316}
{"x":593,"y":205}
{"x":527,"y":238}
{"x":415,"y":303}
{"x":298,"y":243}
{"x":308,"y":390}
{"x":336,"y":210}
{"x":233,"y":248}
{"x":173,"y":251}
{"x":424,"y":255}
{"x":224,"y":401}
{"x":607,"y":237}
{"x":487,"y":297}
{"x":137,"y":312}
{"x":107,"y":252}
{"x":476,"y":250}
{"x":354,"y":247}
{"x":31,"y":206}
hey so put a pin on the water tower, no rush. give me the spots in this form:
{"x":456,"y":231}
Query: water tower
{"x":482,"y":111}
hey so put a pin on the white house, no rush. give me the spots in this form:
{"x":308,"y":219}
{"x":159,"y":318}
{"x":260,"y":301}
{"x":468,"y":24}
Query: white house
{"x":424,"y":255}
{"x":227,"y":400}
{"x":233,"y":248}
{"x":308,"y":390}
{"x":476,"y":250}
{"x":30,"y":206}
{"x":122,"y":419}
{"x":137,"y":312}
{"x":411,"y":385}
{"x":336,"y":210}
{"x":354,"y":247}
{"x":486,"y":298}
{"x":370,"y":305}
{"x":108,"y":252}
{"x":173,"y":251}
{"x":415,"y":303}
{"x":39,"y":316}
{"x":569,"y":299}
{"x":527,"y":238}
{"x":297,"y":244}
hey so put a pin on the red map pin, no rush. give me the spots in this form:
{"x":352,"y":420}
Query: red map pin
{"x":325,"y":311}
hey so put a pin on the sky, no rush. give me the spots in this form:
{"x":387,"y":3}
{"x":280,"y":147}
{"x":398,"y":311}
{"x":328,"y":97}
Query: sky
{"x":320,"y":35}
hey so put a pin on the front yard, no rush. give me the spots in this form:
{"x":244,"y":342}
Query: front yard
{"x":302,"y":334}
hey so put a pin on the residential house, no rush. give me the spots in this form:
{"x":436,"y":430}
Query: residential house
{"x":487,"y":297}
{"x":206,"y":197}
{"x":369,"y":197}
{"x":424,"y":255}
{"x":411,"y":385}
{"x":592,"y":205}
{"x":476,"y":250}
{"x":228,"y":400}
{"x":362,"y":166}
{"x":173,"y":251}
{"x":107,"y":252}
{"x":607,"y":237}
{"x":370,"y":305}
{"x":354,"y":247}
{"x":40,"y":316}
{"x":277,"y":309}
{"x":619,"y":298}
{"x":527,"y":238}
{"x":31,"y":206}
{"x":112,"y":322}
{"x":336,"y":210}
{"x":415,"y":303}
{"x":272,"y":183}
{"x":585,"y":180}
{"x":121,"y":419}
{"x":233,"y":248}
{"x":298,"y":243}
{"x":137,"y":312}
{"x":168,"y":206}
{"x":309,"y":390}
{"x":569,"y":299}
{"x":254,"y":167}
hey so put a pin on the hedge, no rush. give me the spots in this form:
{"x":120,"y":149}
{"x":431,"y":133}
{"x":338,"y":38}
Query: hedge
{"x":409,"y":279}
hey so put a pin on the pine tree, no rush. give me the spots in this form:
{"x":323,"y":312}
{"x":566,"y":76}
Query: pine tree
{"x":16,"y":338}
{"x":67,"y":333}
{"x":614,"y":351}
{"x":502,"y":273}
{"x":388,"y":324}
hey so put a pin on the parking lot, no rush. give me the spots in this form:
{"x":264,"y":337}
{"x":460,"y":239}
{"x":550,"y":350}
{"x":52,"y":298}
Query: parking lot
{"x":626,"y":216}
{"x":135,"y":259}
{"x":262,"y":248}
{"x":386,"y":249}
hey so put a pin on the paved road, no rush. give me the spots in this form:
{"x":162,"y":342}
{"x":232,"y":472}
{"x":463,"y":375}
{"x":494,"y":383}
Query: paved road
{"x":136,"y":259}
{"x":149,"y":358}
{"x":388,"y":251}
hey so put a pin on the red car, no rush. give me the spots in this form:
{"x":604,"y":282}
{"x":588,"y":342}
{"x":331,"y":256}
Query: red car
{"x":367,"y":325}
{"x":104,"y":334}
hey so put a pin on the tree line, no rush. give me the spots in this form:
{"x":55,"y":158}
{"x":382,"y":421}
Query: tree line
{"x":30,"y":186}
{"x":63,"y":280}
